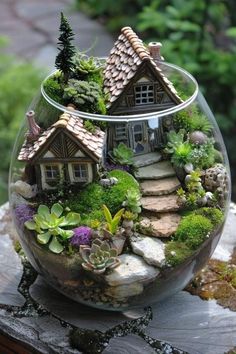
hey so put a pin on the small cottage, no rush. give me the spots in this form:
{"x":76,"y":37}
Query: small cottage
{"x":65,"y":152}
{"x":135,"y":84}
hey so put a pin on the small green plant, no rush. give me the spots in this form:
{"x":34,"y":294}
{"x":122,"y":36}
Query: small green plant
{"x":176,"y":252}
{"x":53,"y":88}
{"x":133,"y":202}
{"x":99,"y":257}
{"x":87,"y":68}
{"x":128,"y":215}
{"x":203,"y":156}
{"x":112,"y":223}
{"x":174,"y":140}
{"x":90,"y":126}
{"x":87,"y":96}
{"x":201,"y":123}
{"x":123,"y":155}
{"x":193,"y":230}
{"x":51,"y":227}
{"x":192,"y":120}
{"x":181,"y":154}
{"x":95,"y":224}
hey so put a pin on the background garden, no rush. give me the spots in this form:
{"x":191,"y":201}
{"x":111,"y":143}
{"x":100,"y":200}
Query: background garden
{"x":199,"y":35}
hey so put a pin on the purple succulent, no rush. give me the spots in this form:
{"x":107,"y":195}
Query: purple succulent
{"x":82,"y":236}
{"x":23,"y":213}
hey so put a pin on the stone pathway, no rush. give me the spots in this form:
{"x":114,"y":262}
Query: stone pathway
{"x":147,"y":159}
{"x":159,"y":201}
{"x":157,"y":171}
{"x":32,"y":29}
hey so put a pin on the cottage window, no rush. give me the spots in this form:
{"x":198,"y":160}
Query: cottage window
{"x":144,"y":94}
{"x":51,"y":172}
{"x":121,"y":133}
{"x":80,"y":172}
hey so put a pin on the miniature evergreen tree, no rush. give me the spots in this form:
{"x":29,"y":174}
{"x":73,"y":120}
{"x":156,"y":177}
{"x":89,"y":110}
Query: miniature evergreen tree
{"x":64,"y":61}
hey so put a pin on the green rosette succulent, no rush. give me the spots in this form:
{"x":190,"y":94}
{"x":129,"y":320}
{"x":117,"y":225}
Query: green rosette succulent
{"x":99,"y":257}
{"x":52,"y":227}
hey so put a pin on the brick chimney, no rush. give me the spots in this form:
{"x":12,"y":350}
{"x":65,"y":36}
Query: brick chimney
{"x":155,"y":50}
{"x":33,"y":129}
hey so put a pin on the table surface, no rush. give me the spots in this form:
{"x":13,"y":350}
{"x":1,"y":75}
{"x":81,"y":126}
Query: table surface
{"x":184,"y":320}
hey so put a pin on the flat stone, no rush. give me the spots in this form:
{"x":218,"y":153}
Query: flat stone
{"x":123,"y":291}
{"x":152,"y":250}
{"x":165,"y":225}
{"x":157,"y":170}
{"x":160,"y":187}
{"x":132,"y":269}
{"x":147,"y":159}
{"x":161,"y":204}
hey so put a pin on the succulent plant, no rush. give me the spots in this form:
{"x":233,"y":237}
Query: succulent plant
{"x":128,"y":215}
{"x":174,"y":140}
{"x":99,"y":257}
{"x":123,"y":155}
{"x":112,"y":223}
{"x":133,"y":202}
{"x":51,"y":227}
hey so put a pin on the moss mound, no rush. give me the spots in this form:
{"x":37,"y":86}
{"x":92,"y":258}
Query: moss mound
{"x":193,"y":230}
{"x":213,"y":214}
{"x":176,"y":252}
{"x":88,"y":201}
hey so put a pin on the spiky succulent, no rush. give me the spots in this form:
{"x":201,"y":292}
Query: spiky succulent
{"x":52,"y":227}
{"x":99,"y":257}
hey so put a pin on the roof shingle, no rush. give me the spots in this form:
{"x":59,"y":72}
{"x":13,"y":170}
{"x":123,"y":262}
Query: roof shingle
{"x":93,"y":142}
{"x":128,"y":53}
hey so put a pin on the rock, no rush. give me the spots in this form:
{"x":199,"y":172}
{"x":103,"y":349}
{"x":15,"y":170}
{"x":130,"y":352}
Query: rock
{"x":24,"y":189}
{"x":160,"y":187}
{"x":118,"y":243}
{"x":159,"y":204}
{"x":151,"y":249}
{"x":131,"y":270}
{"x":157,"y":170}
{"x":164,"y":225}
{"x":188,"y":167}
{"x":147,"y":159}
{"x":17,"y":199}
{"x":123,"y":291}
{"x":107,"y":182}
{"x":198,"y":137}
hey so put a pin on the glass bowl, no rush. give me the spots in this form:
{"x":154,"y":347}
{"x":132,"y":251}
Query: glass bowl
{"x":120,"y":211}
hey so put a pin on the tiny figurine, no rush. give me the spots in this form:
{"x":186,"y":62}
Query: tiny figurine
{"x":120,"y":188}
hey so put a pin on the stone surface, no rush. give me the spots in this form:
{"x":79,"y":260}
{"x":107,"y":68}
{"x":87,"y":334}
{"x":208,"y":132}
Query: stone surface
{"x":160,"y":204}
{"x":160,"y":187}
{"x":157,"y":170}
{"x":147,"y":159}
{"x":164,"y":225}
{"x":152,"y":250}
{"x":132,"y":269}
{"x":24,"y":189}
{"x":124,"y":291}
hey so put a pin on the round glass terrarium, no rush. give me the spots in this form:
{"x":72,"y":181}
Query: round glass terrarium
{"x":121,"y":210}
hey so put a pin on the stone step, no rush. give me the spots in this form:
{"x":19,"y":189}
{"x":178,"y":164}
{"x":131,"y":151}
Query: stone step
{"x":160,"y":187}
{"x":147,"y":159}
{"x":165,"y":225}
{"x":160,"y":204}
{"x":159,"y":170}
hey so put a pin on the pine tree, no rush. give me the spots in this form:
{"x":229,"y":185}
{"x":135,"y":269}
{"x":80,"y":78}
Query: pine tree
{"x":64,"y":61}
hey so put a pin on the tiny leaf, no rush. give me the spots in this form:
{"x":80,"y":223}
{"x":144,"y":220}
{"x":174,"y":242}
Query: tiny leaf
{"x":55,"y":246}
{"x":30,"y":225}
{"x":57,"y":209}
{"x":44,"y":238}
{"x":43,"y":211}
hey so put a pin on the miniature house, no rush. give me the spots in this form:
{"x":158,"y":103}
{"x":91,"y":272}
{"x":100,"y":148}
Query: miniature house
{"x":65,"y":152}
{"x":136,"y":84}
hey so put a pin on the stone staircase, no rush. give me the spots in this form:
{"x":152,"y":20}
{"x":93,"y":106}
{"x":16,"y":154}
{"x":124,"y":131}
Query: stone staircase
{"x":158,"y":184}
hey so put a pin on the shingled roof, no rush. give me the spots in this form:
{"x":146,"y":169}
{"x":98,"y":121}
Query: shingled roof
{"x":128,"y":53}
{"x":74,"y":125}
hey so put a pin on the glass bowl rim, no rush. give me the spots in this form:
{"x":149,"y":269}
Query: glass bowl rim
{"x":128,"y":117}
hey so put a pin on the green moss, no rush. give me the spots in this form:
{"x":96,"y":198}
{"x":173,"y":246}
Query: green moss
{"x":176,"y":252}
{"x":115,"y":195}
{"x":213,"y":214}
{"x":88,"y":201}
{"x":193,"y":230}
{"x":53,"y":88}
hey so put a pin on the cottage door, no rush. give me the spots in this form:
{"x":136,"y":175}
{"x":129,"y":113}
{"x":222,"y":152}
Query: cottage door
{"x":139,"y":138}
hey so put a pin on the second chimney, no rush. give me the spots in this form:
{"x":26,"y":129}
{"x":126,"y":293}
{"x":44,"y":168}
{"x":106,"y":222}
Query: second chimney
{"x":155,"y":50}
{"x":34,"y":129}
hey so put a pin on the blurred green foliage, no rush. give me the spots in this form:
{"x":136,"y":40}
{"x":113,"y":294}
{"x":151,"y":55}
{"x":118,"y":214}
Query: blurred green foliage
{"x":199,"y":35}
{"x":18,"y":84}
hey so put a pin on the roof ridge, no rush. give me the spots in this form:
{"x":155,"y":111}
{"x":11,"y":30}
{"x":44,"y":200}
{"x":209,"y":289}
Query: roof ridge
{"x":136,"y":43}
